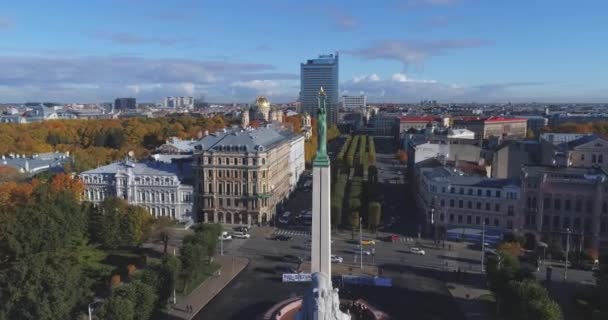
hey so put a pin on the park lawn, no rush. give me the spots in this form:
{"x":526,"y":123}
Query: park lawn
{"x":201,"y":276}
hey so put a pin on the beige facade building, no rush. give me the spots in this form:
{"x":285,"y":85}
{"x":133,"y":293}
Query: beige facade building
{"x":242,"y":175}
{"x":562,"y":199}
{"x":508,"y":128}
{"x":589,"y":151}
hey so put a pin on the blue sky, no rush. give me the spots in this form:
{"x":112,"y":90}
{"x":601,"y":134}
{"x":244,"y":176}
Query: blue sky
{"x":393,"y":51}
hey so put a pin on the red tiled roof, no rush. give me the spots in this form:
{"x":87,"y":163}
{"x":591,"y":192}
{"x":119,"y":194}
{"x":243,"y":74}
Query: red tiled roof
{"x":418,"y":119}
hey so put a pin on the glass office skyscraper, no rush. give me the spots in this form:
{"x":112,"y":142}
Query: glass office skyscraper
{"x":317,"y":73}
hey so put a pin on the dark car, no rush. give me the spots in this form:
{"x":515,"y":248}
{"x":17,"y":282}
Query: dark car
{"x":281,"y":238}
{"x":391,"y":238}
{"x":292,"y":258}
{"x":285,"y":269}
{"x":242,"y":229}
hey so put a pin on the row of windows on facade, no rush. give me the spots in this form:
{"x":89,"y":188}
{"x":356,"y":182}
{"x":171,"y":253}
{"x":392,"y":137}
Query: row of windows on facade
{"x":142,"y":196}
{"x":231,"y":161}
{"x":138,"y":180}
{"x":162,"y":212}
{"x":556,"y":204}
{"x":531,"y":185}
{"x":470,"y":220}
{"x":595,"y":158}
{"x":236,"y":203}
{"x":488,"y":193}
{"x":559,"y":223}
{"x":234,"y":174}
{"x":232,"y":189}
{"x":478,"y":205}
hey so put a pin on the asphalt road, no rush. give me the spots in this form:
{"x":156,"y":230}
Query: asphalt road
{"x":259,"y":286}
{"x":419,"y":290}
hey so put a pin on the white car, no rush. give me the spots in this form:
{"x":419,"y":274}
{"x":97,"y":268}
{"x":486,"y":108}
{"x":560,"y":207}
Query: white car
{"x":225,"y":236}
{"x":417,"y":251}
{"x":336,"y":259}
{"x":241,"y":235}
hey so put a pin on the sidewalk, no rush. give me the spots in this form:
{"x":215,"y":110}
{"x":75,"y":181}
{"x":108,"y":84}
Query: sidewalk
{"x":230,"y":267}
{"x":466,"y":294}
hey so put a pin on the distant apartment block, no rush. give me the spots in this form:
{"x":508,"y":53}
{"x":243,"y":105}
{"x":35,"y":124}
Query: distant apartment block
{"x":178,"y":102}
{"x":417,"y":122}
{"x":498,"y":127}
{"x":557,"y":200}
{"x":385,"y":124}
{"x":451,"y":198}
{"x":125,"y":104}
{"x":36,"y":163}
{"x":354,"y":102}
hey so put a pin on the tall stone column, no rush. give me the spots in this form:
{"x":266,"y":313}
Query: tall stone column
{"x":321,"y":208}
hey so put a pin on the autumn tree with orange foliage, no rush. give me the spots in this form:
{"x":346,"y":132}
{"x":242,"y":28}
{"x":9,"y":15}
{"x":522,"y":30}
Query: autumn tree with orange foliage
{"x":510,"y":248}
{"x":65,"y":182}
{"x":98,"y":142}
{"x":598,"y":127}
{"x":401,"y":156}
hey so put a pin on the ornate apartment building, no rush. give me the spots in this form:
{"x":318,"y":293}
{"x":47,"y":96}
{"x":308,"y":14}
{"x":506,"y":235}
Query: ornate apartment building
{"x":459,"y":200}
{"x":154,"y":185}
{"x":559,"y":200}
{"x":241,"y":175}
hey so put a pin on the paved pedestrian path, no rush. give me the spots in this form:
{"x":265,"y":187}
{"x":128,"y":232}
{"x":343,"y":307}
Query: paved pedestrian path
{"x":230,"y":267}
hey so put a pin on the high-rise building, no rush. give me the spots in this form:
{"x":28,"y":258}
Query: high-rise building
{"x":178,"y":102}
{"x":354,"y":102}
{"x":317,"y":73}
{"x":125,"y":103}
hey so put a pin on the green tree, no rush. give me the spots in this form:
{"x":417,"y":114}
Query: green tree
{"x":136,"y":224}
{"x":115,"y":223}
{"x":354,"y":221}
{"x":374,"y":215}
{"x":164,"y":237}
{"x":117,"y":308}
{"x":332,"y":132}
{"x":42,"y":286}
{"x":168,"y":272}
{"x":141,"y":295}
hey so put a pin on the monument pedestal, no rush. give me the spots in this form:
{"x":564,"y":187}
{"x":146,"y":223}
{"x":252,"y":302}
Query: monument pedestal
{"x":321,"y":218}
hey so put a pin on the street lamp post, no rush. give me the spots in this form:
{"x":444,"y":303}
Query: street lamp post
{"x":433,"y":225}
{"x":174,"y":293}
{"x":483,"y":244}
{"x":222,"y":246}
{"x":361,"y":241}
{"x":567,"y":252}
{"x":90,"y":309}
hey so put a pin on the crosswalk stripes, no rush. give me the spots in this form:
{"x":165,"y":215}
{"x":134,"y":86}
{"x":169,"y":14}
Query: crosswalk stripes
{"x":406,"y":240}
{"x":292,"y":233}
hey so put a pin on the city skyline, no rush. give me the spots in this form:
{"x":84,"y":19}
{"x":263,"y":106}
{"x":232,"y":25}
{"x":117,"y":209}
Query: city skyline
{"x":394,"y":51}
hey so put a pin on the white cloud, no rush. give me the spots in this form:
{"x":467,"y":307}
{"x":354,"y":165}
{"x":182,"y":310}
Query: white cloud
{"x":366,"y":78}
{"x":97,"y":78}
{"x":399,"y":77}
{"x":414,"y":51}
